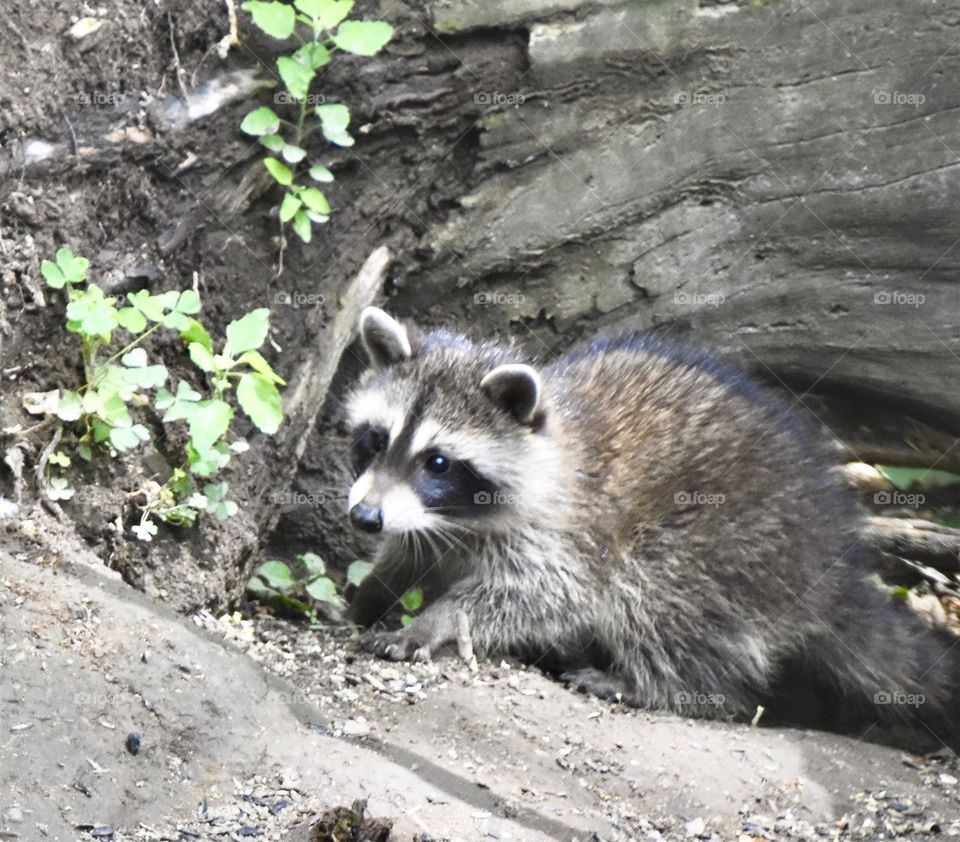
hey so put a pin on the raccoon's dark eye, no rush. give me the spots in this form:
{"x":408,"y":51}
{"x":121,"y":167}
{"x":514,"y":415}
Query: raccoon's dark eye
{"x":437,"y":463}
{"x":367,"y":443}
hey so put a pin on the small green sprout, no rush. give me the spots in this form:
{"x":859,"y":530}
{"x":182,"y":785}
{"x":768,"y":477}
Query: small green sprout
{"x":412,"y":601}
{"x":294,"y":589}
{"x":322,"y":29}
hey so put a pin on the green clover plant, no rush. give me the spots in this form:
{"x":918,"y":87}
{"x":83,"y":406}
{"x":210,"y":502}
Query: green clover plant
{"x":120,"y":383}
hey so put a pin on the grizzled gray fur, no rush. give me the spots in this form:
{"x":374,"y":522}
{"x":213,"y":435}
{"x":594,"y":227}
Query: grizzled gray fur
{"x":636,"y":516}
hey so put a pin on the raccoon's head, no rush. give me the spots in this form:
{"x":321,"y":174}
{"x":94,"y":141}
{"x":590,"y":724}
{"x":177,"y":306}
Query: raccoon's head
{"x":446,"y":433}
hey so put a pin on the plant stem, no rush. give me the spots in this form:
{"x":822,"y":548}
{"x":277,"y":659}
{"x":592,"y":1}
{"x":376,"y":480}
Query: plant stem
{"x":220,"y":382}
{"x":298,"y":139}
{"x":127,"y":348}
{"x":283,"y":245}
{"x":90,"y":346}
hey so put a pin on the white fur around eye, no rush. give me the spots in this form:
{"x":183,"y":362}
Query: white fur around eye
{"x":425,"y":436}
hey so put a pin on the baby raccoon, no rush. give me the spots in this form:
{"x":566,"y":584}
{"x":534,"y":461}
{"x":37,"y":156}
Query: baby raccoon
{"x":655,"y":526}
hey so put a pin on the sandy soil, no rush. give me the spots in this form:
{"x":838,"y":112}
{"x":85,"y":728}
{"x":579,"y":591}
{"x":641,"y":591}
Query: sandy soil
{"x":254,"y":727}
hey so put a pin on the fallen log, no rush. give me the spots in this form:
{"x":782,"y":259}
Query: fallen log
{"x":918,"y":540}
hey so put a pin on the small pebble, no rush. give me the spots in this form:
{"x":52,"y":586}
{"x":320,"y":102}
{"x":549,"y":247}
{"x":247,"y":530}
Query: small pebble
{"x":289,"y":777}
{"x":133,"y":743}
{"x":356,"y":728}
{"x":80,"y":30}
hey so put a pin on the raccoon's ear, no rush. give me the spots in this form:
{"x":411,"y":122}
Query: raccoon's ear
{"x":516,"y":389}
{"x":384,"y":338}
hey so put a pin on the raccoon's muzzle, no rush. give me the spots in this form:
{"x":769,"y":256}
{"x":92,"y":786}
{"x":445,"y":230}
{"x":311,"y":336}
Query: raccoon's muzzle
{"x":367,"y":518}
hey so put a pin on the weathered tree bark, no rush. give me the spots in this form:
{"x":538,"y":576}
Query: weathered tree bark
{"x":778,"y":181}
{"x":918,"y":540}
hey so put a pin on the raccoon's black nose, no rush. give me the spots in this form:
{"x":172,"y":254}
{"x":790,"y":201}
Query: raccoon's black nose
{"x":367,"y":518}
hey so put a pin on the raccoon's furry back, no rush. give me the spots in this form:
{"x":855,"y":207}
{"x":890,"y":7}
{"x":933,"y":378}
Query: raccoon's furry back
{"x":667,"y":529}
{"x":730,"y":524}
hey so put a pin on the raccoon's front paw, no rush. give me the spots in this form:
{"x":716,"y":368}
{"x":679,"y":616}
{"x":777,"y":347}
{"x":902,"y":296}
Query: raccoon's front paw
{"x":400,"y":645}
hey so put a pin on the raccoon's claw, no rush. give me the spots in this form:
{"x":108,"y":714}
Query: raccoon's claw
{"x":597,"y":683}
{"x":396,"y":646}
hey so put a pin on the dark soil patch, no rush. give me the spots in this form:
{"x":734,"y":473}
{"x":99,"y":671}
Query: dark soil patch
{"x":161,"y":205}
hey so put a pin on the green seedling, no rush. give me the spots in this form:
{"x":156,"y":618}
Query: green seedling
{"x":294,"y":589}
{"x":412,"y":601}
{"x":123,"y":384}
{"x":322,"y":28}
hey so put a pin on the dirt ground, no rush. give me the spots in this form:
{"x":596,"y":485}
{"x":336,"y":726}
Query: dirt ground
{"x":254,"y":727}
